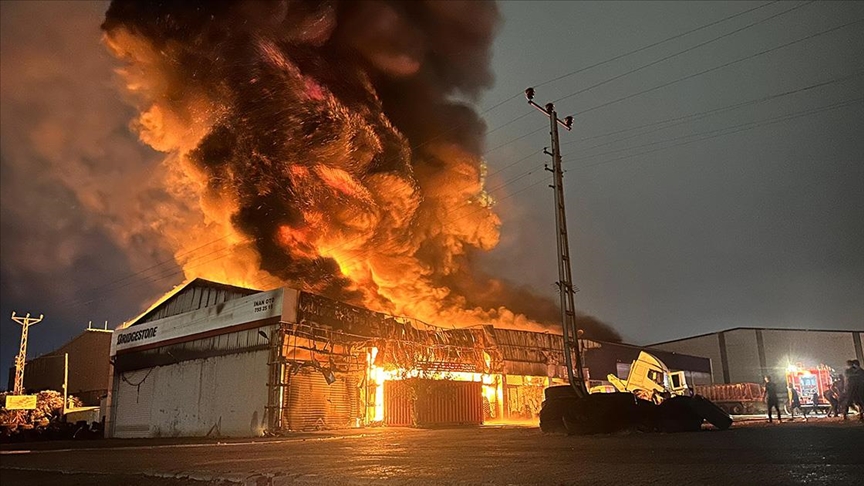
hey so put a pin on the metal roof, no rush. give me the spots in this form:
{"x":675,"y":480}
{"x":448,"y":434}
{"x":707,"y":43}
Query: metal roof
{"x":230,"y":291}
{"x":740,"y":328}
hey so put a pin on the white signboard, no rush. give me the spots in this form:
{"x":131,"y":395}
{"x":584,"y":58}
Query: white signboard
{"x":281,"y":303}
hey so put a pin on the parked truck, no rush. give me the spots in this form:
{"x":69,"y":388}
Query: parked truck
{"x":735,"y":398}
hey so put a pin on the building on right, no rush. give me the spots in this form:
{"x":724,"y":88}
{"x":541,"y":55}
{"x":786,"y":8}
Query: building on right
{"x":746,"y":354}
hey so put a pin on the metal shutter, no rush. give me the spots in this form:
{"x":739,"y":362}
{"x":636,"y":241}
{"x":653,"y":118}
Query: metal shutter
{"x":312,"y":404}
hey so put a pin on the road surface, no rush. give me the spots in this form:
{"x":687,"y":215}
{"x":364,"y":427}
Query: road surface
{"x":815,"y":453}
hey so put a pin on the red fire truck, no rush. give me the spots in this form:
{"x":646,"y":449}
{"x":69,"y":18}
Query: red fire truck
{"x":808,"y":380}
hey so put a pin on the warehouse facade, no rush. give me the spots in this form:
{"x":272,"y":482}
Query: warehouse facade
{"x":218,"y":360}
{"x":746,"y":354}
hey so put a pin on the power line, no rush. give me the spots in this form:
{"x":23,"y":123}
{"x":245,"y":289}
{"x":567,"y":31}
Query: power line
{"x":730,"y":63}
{"x":159,"y":264}
{"x":715,"y":110}
{"x":634,"y":51}
{"x":691,"y":48}
{"x":714,"y":133}
{"x":705,"y":114}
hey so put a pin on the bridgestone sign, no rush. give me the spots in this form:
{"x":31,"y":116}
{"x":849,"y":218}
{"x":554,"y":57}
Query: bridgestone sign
{"x":137,"y":335}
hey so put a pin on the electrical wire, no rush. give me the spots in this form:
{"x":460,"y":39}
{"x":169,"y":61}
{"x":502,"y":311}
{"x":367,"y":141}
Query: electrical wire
{"x":629,"y":53}
{"x":712,"y":111}
{"x":724,"y":65}
{"x":684,"y":51}
{"x":738,"y":128}
{"x":673,"y":122}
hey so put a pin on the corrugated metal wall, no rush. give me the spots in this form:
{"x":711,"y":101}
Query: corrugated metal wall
{"x":737,"y":356}
{"x":197,"y":295}
{"x":398,"y":404}
{"x":311,"y":404}
{"x":234,"y":342}
{"x":438,"y":402}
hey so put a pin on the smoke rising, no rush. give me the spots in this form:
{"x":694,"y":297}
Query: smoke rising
{"x":325,"y":145}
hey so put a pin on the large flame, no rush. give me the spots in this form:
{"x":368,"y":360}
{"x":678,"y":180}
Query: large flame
{"x":320,"y":145}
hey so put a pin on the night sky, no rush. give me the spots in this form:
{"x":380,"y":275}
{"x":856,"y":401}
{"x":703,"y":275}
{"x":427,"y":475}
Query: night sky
{"x":740,"y":201}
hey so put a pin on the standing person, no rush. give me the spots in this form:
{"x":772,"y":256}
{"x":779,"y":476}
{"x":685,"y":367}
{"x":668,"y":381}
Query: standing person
{"x":769,"y":394}
{"x":841,"y":393}
{"x":794,"y":403}
{"x":833,"y":396}
{"x":815,"y":402}
{"x":853,"y":377}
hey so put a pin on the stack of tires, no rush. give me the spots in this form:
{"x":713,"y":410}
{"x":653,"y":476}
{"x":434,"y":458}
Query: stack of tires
{"x":564,"y":411}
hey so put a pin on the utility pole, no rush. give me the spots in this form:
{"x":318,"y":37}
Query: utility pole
{"x":565,"y":280}
{"x":21,"y":359}
{"x":65,"y":383}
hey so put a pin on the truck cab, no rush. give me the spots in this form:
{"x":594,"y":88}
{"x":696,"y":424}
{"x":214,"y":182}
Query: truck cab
{"x":650,"y":379}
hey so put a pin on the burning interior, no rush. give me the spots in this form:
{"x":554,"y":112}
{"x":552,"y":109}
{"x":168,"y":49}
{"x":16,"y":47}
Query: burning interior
{"x":360,"y":367}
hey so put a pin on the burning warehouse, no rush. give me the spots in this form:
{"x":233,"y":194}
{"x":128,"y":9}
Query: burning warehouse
{"x":310,"y":147}
{"x":214,"y":359}
{"x":313,"y":147}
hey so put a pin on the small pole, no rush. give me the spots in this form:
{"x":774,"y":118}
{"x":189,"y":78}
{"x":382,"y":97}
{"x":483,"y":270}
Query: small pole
{"x":65,"y":381}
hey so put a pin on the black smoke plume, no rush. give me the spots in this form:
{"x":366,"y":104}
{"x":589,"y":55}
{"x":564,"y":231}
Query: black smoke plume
{"x":328,"y":140}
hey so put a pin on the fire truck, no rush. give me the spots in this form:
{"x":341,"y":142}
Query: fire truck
{"x":806,"y":381}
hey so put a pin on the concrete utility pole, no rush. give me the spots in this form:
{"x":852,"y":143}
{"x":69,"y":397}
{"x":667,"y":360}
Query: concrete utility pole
{"x":65,"y":383}
{"x":565,"y":280}
{"x":21,"y":359}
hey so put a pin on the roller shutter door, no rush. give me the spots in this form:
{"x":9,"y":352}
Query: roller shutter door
{"x":133,"y":401}
{"x":312,"y":404}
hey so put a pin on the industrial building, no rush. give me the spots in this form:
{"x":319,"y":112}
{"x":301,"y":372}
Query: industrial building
{"x":87,"y":368}
{"x":217,"y":360}
{"x":746,"y":354}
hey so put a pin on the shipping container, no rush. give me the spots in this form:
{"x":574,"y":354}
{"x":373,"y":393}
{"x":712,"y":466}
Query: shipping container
{"x":424,"y":402}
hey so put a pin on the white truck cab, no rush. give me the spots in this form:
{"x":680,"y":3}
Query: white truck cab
{"x":650,"y":379}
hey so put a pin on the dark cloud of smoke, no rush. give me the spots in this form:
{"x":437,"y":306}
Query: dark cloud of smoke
{"x":328,"y":137}
{"x":79,"y":203}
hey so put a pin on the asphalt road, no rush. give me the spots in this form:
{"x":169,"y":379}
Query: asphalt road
{"x":819,"y":452}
